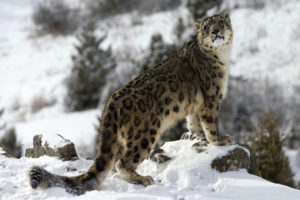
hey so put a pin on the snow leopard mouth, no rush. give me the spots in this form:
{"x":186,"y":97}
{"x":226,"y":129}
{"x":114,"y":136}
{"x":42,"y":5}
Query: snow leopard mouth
{"x":218,"y":37}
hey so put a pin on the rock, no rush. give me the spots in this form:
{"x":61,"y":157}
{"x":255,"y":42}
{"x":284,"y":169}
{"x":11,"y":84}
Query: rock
{"x":253,"y":167}
{"x":235,"y":159}
{"x":65,"y":150}
{"x":200,"y":146}
{"x":158,"y":156}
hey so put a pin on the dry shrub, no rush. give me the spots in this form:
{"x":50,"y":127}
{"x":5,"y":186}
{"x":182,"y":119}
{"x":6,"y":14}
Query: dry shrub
{"x":9,"y":143}
{"x":39,"y":102}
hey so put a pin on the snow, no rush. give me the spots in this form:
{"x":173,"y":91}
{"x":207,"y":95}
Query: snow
{"x":31,"y":67}
{"x":186,"y":176}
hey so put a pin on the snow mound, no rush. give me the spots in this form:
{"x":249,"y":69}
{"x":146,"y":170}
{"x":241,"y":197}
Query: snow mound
{"x":186,"y":176}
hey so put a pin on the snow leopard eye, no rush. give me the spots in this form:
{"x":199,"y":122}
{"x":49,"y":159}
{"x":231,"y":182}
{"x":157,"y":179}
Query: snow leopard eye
{"x":206,"y":28}
{"x":221,"y":22}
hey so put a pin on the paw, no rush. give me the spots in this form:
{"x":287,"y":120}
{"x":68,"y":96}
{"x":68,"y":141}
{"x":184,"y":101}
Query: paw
{"x":192,"y":136}
{"x":147,"y":180}
{"x":188,"y":136}
{"x":36,"y":176}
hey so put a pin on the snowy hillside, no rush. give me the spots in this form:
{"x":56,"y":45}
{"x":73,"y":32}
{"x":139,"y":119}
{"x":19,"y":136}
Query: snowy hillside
{"x":186,"y":176}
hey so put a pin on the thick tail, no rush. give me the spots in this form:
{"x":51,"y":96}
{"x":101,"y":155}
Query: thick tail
{"x":91,"y":180}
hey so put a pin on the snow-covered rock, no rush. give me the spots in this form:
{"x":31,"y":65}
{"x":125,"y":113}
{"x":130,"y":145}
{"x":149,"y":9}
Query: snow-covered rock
{"x":235,"y":159}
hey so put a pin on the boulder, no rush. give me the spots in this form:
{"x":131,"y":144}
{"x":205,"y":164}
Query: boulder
{"x":64,"y":150}
{"x":158,"y":156}
{"x":235,"y":159}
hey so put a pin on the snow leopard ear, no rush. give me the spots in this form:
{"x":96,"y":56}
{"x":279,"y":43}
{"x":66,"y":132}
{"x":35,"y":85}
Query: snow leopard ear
{"x":197,"y":25}
{"x":225,"y":13}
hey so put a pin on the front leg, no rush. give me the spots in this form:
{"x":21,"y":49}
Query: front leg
{"x":194,"y":125}
{"x":209,"y":119}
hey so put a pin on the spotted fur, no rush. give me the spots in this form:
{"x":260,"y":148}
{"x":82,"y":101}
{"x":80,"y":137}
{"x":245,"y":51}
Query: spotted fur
{"x":192,"y":84}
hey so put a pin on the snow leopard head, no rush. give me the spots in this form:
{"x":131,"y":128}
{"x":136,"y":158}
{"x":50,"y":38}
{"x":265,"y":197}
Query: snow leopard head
{"x":215,"y":32}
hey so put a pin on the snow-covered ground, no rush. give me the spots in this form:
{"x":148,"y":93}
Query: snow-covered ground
{"x":35,"y":68}
{"x":186,"y":176}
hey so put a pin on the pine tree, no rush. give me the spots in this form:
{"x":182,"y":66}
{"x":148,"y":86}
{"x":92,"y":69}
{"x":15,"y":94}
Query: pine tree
{"x":271,"y":161}
{"x":158,"y":52}
{"x":91,"y":65}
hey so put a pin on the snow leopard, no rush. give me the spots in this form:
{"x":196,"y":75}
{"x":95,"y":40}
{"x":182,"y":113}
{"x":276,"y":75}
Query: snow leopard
{"x":190,"y":84}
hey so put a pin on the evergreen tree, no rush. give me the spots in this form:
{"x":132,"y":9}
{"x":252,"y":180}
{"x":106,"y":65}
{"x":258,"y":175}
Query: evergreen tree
{"x":159,"y":51}
{"x":91,"y":65}
{"x":271,"y":161}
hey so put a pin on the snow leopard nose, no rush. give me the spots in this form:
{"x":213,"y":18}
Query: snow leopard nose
{"x":215,"y":31}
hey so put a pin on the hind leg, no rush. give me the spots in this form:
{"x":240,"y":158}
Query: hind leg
{"x":128,"y":172}
{"x":132,"y":157}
